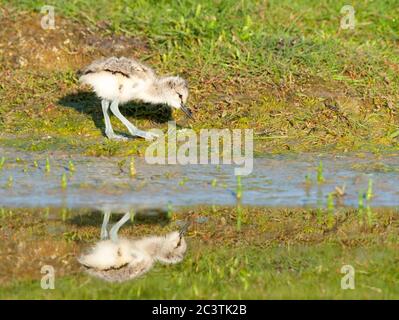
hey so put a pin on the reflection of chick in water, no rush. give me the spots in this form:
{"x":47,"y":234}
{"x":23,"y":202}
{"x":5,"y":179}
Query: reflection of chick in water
{"x":127,"y":259}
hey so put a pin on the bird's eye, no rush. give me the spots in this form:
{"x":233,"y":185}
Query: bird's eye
{"x":180,"y":96}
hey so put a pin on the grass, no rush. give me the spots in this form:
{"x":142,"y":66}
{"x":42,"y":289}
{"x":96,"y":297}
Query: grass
{"x":279,"y":253}
{"x":284,"y":69}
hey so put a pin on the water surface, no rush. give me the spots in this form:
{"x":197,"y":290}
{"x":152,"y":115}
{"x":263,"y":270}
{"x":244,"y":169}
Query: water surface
{"x":276,"y":180}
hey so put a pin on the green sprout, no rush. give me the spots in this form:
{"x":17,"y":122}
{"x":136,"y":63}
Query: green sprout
{"x":330,"y":203}
{"x":64,"y":181}
{"x":71,"y":166}
{"x":46,"y":213}
{"x":10,"y":182}
{"x":369,"y":193}
{"x":64,"y":214}
{"x":35,"y":164}
{"x":2,"y":160}
{"x":320,"y":177}
{"x":183,"y":181}
{"x":47,"y":167}
{"x":132,"y":215}
{"x":239,"y":188}
{"x":214,"y":183}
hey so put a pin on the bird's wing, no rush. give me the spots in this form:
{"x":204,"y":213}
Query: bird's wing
{"x":139,"y":265}
{"x":124,"y":66}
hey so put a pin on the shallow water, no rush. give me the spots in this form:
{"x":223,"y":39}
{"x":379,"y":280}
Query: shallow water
{"x":275,"y":181}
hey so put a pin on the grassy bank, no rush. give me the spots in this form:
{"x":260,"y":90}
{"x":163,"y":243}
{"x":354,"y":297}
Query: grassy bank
{"x":285,"y":69}
{"x":278,"y":253}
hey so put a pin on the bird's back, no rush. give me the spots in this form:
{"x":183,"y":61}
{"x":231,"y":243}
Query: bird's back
{"x":117,"y":78}
{"x":128,"y":68}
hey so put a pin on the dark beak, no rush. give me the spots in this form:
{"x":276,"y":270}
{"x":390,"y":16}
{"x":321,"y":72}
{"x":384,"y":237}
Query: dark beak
{"x":187,"y":111}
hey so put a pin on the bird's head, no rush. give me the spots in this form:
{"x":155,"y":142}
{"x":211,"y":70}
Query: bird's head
{"x":172,"y":248}
{"x":175,"y":92}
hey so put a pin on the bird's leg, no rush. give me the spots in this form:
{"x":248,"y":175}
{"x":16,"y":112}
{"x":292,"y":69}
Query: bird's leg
{"x":132,"y":129}
{"x":113,"y":234}
{"x":104,"y":231}
{"x":109,"y":132}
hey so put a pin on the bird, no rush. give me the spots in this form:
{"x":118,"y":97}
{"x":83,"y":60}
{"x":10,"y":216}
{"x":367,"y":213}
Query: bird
{"x":120,"y":80}
{"x":124,"y":259}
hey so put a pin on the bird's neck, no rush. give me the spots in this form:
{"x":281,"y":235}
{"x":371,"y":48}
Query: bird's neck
{"x":153,"y":92}
{"x":152,"y":245}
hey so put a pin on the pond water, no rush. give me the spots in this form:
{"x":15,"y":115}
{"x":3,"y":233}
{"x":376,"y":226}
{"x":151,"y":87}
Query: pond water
{"x":276,"y":181}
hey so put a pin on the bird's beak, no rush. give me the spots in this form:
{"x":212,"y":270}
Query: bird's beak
{"x":184,"y":229}
{"x":187,"y":111}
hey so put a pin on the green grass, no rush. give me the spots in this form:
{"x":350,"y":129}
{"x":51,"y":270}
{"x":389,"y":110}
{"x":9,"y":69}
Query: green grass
{"x":284,"y":69}
{"x":240,"y":273}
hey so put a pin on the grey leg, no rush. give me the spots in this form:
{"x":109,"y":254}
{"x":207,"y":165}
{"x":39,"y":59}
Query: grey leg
{"x":114,"y":230}
{"x":132,"y":129}
{"x":104,"y":231}
{"x":108,"y":127}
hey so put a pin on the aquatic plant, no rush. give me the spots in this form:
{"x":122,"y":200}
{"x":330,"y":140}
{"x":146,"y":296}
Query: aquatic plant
{"x":10,"y":182}
{"x":64,"y":214}
{"x":35,"y":164}
{"x":238,"y":206}
{"x":64,"y":181}
{"x":132,"y":215}
{"x":2,"y":161}
{"x":214,"y":183}
{"x":320,"y":177}
{"x":369,"y":193}
{"x":239,"y":188}
{"x":47,"y":168}
{"x":330,"y":203}
{"x":183,"y":181}
{"x":71,"y":166}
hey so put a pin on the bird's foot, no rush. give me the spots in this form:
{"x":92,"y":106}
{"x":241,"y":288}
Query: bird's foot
{"x":149,"y":136}
{"x":116,"y":137}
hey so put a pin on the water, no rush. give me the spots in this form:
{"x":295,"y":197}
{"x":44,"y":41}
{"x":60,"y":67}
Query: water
{"x":276,"y":181}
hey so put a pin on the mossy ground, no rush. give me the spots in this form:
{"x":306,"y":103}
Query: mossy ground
{"x":285,"y":70}
{"x":278,"y":253}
